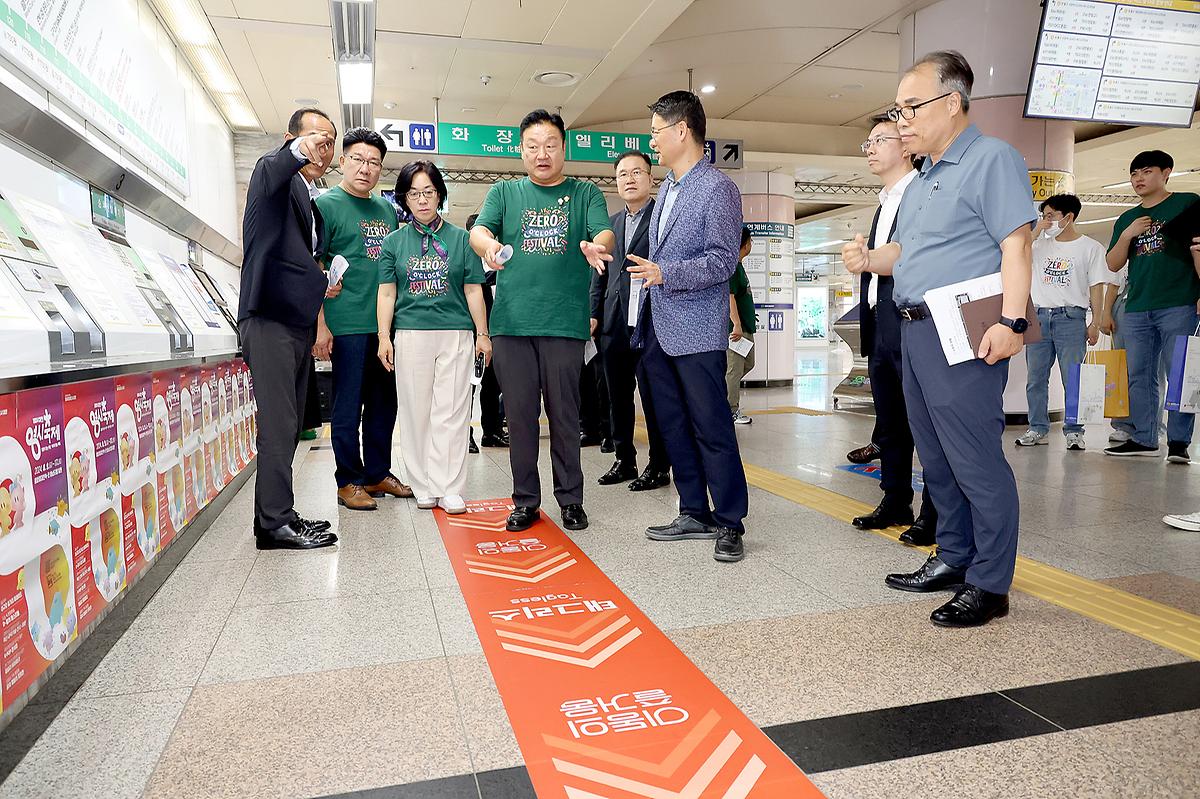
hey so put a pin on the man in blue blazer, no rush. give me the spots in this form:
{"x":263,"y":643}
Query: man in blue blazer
{"x":683,"y":327}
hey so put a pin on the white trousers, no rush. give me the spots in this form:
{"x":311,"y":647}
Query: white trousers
{"x":433,"y":387}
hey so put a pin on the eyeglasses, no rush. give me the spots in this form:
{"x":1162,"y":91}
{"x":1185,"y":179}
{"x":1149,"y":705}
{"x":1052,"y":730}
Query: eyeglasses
{"x":655,"y":131}
{"x":373,"y":163}
{"x":428,"y":194}
{"x":636,"y":174}
{"x":876,"y":142}
{"x":910,"y":111}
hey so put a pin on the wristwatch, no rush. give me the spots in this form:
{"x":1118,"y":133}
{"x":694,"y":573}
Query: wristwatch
{"x":1016,"y":325}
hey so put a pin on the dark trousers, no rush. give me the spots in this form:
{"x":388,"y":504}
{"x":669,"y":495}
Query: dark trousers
{"x":278,"y":356}
{"x":690,"y":403}
{"x":957,"y":419}
{"x":363,"y":393}
{"x":892,"y":434}
{"x":622,"y":369}
{"x":595,"y":417}
{"x":491,"y":414}
{"x":533,"y":370}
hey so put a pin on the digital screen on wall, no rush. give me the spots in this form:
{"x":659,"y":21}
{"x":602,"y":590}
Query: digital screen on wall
{"x":1128,"y":62}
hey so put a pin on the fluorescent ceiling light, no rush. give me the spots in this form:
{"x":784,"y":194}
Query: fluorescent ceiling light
{"x":708,"y":88}
{"x":356,"y":81}
{"x":215,"y":73}
{"x":1098,"y":221}
{"x":237,"y":112}
{"x":187,"y":20}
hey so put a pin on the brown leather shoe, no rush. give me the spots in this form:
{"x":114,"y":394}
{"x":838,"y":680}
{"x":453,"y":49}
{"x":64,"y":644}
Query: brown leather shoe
{"x":389,"y":486}
{"x":355,"y":498}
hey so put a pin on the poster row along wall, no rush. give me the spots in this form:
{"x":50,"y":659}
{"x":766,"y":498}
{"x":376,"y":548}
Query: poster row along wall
{"x":96,"y":479}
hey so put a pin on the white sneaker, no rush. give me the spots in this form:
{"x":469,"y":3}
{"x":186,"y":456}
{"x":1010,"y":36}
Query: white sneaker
{"x":1076,"y":441}
{"x":1031,"y":438}
{"x":453,"y":504}
{"x":1184,"y":521}
{"x":741,"y":418}
{"x":427,"y":503}
{"x":1119,"y":436}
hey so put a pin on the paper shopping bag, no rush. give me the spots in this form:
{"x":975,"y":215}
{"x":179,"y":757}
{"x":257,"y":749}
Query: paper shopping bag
{"x":1183,"y":381}
{"x":1085,"y":394}
{"x":1116,"y":381}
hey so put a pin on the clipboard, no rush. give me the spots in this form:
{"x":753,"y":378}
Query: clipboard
{"x":979,"y":315}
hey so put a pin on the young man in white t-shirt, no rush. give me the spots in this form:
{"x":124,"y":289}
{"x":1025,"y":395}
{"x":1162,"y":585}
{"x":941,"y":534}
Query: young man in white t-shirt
{"x":1069,"y":276}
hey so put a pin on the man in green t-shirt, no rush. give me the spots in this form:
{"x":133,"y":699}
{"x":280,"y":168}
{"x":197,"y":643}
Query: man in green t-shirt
{"x":364,"y":394}
{"x":743,"y":323}
{"x":1160,"y":304}
{"x":557,"y":227}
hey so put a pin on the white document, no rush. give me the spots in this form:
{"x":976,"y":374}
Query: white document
{"x":742,"y":346}
{"x":1090,"y":407}
{"x":944,"y":305}
{"x":337,"y":268}
{"x":635,"y":300}
{"x":589,"y":351}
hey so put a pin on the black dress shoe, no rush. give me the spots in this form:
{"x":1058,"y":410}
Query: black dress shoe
{"x":921,"y":534}
{"x":493,"y":440}
{"x":619,"y":473}
{"x":729,"y":547}
{"x":472,"y":447}
{"x":607,"y":446}
{"x":588,"y":440}
{"x":651,"y":478}
{"x":292,"y":536}
{"x":934,"y":575}
{"x":864,"y":454}
{"x":888,"y":514}
{"x":971,"y":607}
{"x":521,"y":519}
{"x":312,"y":525}
{"x":573,"y":517}
{"x":683,"y":528}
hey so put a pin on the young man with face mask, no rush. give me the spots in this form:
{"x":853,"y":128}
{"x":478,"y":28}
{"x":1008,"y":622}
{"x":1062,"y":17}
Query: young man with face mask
{"x":1069,"y":277}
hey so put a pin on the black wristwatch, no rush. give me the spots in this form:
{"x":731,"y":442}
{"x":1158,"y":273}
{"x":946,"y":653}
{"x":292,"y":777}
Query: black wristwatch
{"x":1016,"y":325}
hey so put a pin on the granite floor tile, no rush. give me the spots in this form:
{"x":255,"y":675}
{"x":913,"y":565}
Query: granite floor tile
{"x":231,"y":537}
{"x":454,"y":623}
{"x":1154,"y":757}
{"x":1081,"y":561}
{"x":102,"y":746}
{"x":323,"y":634}
{"x":855,"y":577}
{"x":1173,"y":590}
{"x":307,"y":735}
{"x":489,"y":733}
{"x":156,"y":652}
{"x":200,"y":587}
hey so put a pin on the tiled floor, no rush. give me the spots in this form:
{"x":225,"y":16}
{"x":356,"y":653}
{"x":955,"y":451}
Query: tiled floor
{"x":306,"y":674}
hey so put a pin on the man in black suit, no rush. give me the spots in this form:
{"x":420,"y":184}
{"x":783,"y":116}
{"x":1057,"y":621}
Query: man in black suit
{"x":880,"y":327}
{"x":610,"y":323}
{"x":282,"y":291}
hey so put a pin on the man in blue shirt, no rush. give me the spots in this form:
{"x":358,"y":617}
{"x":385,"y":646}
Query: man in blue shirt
{"x":967,"y":214}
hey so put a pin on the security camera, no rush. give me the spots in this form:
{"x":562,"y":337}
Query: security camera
{"x":485,"y":79}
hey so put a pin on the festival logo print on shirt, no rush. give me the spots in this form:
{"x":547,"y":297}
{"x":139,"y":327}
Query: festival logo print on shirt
{"x":374,"y":231}
{"x":1056,"y":272}
{"x":544,"y":231}
{"x":428,"y":276}
{"x":1150,"y":242}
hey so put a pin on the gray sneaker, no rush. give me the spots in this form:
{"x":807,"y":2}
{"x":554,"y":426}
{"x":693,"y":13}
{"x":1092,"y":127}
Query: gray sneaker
{"x":1031,"y":438}
{"x":683,"y":528}
{"x":1119,"y":436}
{"x":741,"y":418}
{"x":1075,"y":441}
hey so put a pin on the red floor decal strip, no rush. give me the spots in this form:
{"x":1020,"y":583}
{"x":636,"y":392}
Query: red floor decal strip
{"x":603,"y":704}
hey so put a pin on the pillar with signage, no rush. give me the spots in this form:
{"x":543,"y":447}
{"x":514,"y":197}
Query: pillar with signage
{"x":999,"y":41}
{"x":769,"y":210}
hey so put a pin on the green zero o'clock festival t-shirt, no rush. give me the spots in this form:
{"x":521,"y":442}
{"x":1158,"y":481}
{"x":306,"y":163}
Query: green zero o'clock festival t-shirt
{"x":355,"y":228}
{"x":739,"y":287}
{"x":544,"y":289}
{"x":429,"y":290}
{"x":1161,"y":273}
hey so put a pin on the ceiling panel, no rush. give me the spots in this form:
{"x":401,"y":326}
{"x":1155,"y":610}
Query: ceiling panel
{"x":772,"y":108}
{"x":580,"y":26}
{"x":441,"y":18}
{"x":411,"y":67}
{"x":872,"y":51}
{"x":817,"y":83}
{"x":768,"y":47}
{"x":714,"y":16}
{"x":221,"y":8}
{"x":516,"y":20}
{"x":305,"y":12}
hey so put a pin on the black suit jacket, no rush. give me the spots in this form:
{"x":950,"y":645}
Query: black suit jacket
{"x":281,"y":279}
{"x":868,"y":321}
{"x":610,"y":291}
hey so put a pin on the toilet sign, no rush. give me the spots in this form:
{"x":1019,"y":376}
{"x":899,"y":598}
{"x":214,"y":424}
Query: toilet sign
{"x":404,"y":135}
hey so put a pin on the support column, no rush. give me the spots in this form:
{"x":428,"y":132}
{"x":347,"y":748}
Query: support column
{"x":769,"y":210}
{"x":998,"y":38}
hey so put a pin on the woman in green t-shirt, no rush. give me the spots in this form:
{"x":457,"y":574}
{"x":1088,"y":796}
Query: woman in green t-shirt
{"x":430,"y":293}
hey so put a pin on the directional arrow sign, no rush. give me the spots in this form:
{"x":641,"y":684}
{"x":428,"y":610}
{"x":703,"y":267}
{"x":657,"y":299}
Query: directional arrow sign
{"x":724,"y":153}
{"x":403,"y":135}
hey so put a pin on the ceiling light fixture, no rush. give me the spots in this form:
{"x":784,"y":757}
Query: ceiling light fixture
{"x":708,"y":88}
{"x":556,"y":78}
{"x":356,"y":81}
{"x":835,"y":96}
{"x":389,"y":105}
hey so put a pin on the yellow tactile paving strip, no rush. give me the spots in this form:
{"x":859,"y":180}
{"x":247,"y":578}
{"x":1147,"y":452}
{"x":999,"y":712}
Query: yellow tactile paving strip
{"x":788,"y":409}
{"x":1164,"y":625}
